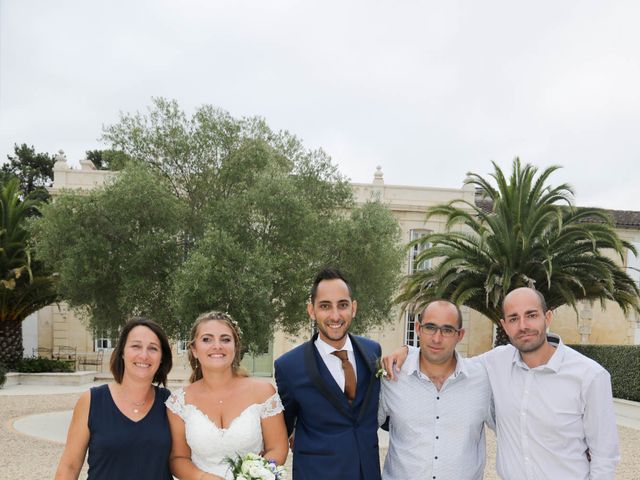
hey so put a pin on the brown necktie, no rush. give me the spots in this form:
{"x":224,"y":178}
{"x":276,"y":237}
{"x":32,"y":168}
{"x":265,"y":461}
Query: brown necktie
{"x":349,"y":374}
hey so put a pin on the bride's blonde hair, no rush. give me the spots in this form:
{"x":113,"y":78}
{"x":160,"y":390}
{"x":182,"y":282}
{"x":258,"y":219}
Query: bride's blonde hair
{"x":196,"y":368}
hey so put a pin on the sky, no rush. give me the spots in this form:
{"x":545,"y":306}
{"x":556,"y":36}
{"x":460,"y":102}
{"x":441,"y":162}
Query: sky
{"x":428,"y":90}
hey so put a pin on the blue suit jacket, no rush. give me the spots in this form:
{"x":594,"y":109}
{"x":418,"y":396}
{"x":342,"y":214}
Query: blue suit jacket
{"x":333,"y":440}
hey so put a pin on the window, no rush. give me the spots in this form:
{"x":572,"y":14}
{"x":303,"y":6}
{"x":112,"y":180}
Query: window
{"x":633,"y":264}
{"x":102,"y":340}
{"x":102,"y":343}
{"x":181,"y":346}
{"x":633,"y":270}
{"x":414,"y":266}
{"x":411,"y":338}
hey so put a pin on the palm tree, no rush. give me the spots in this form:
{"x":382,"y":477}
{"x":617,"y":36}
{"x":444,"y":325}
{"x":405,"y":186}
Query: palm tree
{"x":25,"y":287}
{"x":526,"y":234}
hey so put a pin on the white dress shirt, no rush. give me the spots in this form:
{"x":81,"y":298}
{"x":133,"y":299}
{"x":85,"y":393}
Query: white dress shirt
{"x":333,"y":363}
{"x":547,"y":417}
{"x":436,"y":434}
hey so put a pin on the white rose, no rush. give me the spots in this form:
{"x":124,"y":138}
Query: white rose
{"x":261,"y":472}
{"x":247,"y":465}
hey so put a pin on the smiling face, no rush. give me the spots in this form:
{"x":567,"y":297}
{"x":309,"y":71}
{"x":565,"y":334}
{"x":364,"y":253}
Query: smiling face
{"x":332,"y":310}
{"x":524,"y":320}
{"x":437,"y":349}
{"x":214,"y":345}
{"x":142,"y":353}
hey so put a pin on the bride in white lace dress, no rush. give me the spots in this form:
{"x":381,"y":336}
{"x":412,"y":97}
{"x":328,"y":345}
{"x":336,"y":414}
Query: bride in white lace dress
{"x":222,"y":413}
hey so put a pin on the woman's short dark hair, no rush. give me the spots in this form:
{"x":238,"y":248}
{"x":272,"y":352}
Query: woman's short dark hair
{"x":117,"y":361}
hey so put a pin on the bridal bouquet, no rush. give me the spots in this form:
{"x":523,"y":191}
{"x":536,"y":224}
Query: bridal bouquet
{"x":255,"y":467}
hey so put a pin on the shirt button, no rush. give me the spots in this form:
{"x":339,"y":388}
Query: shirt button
{"x":437,"y":418}
{"x":436,"y":458}
{"x":437,"y":398}
{"x":437,"y":437}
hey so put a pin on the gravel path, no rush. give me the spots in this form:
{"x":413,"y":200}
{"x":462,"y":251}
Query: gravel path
{"x":27,"y":458}
{"x":23,"y":457}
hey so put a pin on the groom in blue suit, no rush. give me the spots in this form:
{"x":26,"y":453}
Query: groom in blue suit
{"x":334,"y":427}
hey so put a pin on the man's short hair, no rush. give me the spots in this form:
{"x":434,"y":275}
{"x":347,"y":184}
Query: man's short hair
{"x":328,"y":273}
{"x":446,"y":301}
{"x":543,"y":302}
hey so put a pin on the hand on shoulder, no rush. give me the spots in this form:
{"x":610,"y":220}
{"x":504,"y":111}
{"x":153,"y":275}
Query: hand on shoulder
{"x":393,"y":363}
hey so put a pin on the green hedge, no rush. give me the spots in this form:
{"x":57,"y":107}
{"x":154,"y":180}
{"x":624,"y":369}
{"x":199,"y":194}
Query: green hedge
{"x":41,"y":365}
{"x":3,"y":374}
{"x":622,"y":362}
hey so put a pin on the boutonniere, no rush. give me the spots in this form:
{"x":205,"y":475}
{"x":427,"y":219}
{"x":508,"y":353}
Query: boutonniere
{"x":380,"y":371}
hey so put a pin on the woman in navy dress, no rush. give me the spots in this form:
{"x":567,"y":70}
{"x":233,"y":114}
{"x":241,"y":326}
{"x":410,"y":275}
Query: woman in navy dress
{"x":124,"y":424}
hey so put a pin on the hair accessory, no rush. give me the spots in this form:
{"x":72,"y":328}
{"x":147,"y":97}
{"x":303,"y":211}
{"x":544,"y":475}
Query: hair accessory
{"x":233,"y":322}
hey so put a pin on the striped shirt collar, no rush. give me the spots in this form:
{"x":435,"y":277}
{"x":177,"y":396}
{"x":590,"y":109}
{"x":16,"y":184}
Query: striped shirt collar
{"x":412,"y":365}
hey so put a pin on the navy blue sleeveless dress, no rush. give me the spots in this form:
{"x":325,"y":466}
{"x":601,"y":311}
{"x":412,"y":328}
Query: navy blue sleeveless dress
{"x":122,"y":449}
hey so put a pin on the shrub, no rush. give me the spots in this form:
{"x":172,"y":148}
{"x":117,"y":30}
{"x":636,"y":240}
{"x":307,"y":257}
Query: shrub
{"x":40,"y":365}
{"x":622,"y":362}
{"x":3,"y":374}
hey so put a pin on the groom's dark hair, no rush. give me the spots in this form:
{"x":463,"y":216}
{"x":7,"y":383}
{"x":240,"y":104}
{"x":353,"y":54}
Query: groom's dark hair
{"x":328,"y":273}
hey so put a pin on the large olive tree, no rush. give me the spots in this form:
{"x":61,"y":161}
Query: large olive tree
{"x":214,"y":212}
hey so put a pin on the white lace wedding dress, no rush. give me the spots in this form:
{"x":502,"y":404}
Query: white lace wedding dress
{"x":210,"y":444}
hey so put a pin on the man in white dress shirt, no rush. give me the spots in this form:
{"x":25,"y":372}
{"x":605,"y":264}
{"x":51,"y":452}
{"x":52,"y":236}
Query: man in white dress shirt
{"x":553,"y":406}
{"x":438,"y":407}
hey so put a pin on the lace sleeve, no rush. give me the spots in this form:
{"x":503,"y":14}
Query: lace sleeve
{"x":175,"y":403}
{"x":272,"y":406}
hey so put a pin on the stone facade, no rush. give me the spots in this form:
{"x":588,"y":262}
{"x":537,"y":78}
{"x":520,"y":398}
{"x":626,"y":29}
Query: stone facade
{"x":591,"y":324}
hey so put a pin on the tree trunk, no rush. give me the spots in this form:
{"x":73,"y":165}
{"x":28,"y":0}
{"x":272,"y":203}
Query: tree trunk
{"x":10,"y":343}
{"x":501,"y":336}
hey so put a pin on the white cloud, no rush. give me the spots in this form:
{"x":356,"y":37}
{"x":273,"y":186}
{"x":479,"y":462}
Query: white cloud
{"x":429,"y":90}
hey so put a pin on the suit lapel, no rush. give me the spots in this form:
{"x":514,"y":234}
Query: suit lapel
{"x":311,"y":365}
{"x":366,"y":374}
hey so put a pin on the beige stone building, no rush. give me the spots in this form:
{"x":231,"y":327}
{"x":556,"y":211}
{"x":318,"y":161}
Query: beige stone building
{"x":56,"y":325}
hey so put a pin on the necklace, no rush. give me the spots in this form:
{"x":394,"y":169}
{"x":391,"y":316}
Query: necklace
{"x":224,"y":393}
{"x":136,"y":405}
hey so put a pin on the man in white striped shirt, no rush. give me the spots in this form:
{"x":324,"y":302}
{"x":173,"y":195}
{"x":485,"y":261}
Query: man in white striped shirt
{"x":438,"y":407}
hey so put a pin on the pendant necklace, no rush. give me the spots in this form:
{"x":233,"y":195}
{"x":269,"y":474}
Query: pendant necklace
{"x":137,"y":405}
